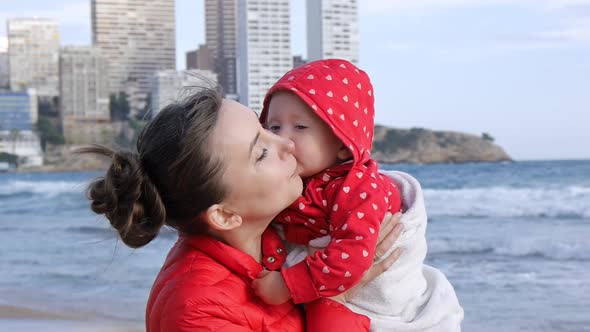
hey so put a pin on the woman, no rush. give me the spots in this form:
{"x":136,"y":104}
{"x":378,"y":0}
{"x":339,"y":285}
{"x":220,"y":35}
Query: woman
{"x":207,"y":168}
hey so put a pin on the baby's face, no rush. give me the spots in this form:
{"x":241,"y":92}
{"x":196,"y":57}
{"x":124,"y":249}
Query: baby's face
{"x":316,"y":146}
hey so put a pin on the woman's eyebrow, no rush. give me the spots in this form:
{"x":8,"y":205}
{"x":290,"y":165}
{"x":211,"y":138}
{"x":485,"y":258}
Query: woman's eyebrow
{"x":253,"y":143}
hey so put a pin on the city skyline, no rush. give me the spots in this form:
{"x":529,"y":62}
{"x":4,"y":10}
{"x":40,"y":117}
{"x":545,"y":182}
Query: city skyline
{"x":517,"y":71}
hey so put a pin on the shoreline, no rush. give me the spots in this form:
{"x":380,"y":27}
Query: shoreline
{"x":15,"y":318}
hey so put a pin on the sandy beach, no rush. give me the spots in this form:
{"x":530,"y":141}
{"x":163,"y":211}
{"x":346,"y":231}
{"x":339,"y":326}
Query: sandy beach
{"x":18,"y":319}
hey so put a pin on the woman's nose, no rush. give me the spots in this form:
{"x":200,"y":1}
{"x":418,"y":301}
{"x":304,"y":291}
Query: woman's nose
{"x":288,"y":146}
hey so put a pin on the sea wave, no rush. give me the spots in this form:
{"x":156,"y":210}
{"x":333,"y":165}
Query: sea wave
{"x":42,"y":188}
{"x":571,"y":202}
{"x":541,"y":248}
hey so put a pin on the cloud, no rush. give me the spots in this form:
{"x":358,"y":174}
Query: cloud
{"x":406,"y":7}
{"x":69,"y":13}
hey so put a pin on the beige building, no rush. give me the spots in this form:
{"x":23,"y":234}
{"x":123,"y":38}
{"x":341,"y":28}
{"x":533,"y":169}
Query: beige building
{"x":4,"y":82}
{"x":171,"y":85}
{"x":264,"y":48}
{"x":84,"y":91}
{"x":138,"y":37}
{"x":33,"y":55}
{"x":332,"y":30}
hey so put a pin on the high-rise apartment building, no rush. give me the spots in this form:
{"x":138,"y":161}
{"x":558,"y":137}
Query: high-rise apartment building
{"x":170,"y":85}
{"x":84,"y":83}
{"x":138,"y":37}
{"x":200,"y":59}
{"x":264,"y":48}
{"x":84,"y":92}
{"x":332,"y":30}
{"x":33,"y":55}
{"x":4,"y":82}
{"x":221,"y":37}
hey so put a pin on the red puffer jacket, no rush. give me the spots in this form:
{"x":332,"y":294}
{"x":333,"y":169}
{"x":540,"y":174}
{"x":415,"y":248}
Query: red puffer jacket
{"x":205,"y":285}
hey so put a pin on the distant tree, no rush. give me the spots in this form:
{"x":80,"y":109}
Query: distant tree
{"x":487,"y":137}
{"x":48,"y":133}
{"x":119,"y":106}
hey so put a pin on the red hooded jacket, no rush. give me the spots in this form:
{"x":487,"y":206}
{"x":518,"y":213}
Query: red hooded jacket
{"x":347,"y":201}
{"x":205,"y":285}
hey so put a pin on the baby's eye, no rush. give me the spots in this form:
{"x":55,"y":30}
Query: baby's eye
{"x":300,"y":127}
{"x":274,"y":128}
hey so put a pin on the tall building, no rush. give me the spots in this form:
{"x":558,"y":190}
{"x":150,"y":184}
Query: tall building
{"x":33,"y":55}
{"x":84,"y":89}
{"x":332,"y":30}
{"x":264,"y":48}
{"x":168,"y":85}
{"x":200,"y":59}
{"x":221,"y":37}
{"x":138,"y":37}
{"x":298,"y":61}
{"x":4,"y":82}
{"x":84,"y":84}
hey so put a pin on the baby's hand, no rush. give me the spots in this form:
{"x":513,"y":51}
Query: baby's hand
{"x":271,"y":288}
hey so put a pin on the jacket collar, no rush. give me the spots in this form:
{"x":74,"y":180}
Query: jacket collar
{"x":273,"y":252}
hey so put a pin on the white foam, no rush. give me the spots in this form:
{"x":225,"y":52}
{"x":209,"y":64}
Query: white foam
{"x":44,"y":188}
{"x":516,"y":247}
{"x":569,"y":202}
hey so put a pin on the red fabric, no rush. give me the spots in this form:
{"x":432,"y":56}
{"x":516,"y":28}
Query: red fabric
{"x":347,"y":201}
{"x":205,"y":285}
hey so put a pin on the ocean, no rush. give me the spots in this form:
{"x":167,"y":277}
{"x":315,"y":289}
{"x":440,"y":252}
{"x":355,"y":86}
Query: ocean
{"x":513,"y":238}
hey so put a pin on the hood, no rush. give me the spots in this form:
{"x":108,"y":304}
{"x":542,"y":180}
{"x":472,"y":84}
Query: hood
{"x":340,"y":94}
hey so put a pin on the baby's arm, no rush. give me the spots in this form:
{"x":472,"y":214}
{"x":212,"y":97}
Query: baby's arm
{"x":355,"y":221}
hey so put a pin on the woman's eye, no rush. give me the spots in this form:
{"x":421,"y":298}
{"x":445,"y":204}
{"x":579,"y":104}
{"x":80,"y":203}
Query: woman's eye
{"x":262,"y":155}
{"x":300,"y":127}
{"x":274,"y":128}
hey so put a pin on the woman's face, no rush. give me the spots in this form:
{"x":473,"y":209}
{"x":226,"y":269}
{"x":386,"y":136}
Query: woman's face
{"x":261,"y":171}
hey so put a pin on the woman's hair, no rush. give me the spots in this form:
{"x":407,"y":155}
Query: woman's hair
{"x":171,"y":179}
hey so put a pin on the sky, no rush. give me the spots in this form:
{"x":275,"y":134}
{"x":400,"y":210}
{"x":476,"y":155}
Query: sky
{"x":516,"y":69}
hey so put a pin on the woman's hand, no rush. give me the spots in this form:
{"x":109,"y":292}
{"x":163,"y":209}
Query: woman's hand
{"x":389,"y":232}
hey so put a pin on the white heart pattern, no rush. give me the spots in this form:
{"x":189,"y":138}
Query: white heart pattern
{"x":355,"y":123}
{"x":322,"y":287}
{"x":345,"y":80}
{"x":356,"y":104}
{"x":344,"y":227}
{"x":359,"y":175}
{"x":347,"y":274}
{"x":326,"y":270}
{"x":374,"y":185}
{"x":372,"y":230}
{"x":330,"y":94}
{"x":342,"y":66}
{"x":324,"y":203}
{"x":315,"y":107}
{"x":345,"y":98}
{"x":359,"y":86}
{"x":363,"y":195}
{"x":329,"y":77}
{"x":346,"y":189}
{"x":310,"y":77}
{"x":291,"y":78}
{"x":312,"y":221}
{"x":335,"y":207}
{"x":358,"y":238}
{"x":330,"y":111}
{"x":301,"y":206}
{"x":342,"y":117}
{"x":370,"y":93}
{"x":360,"y":215}
{"x":345,"y":255}
{"x":365,"y":253}
{"x":312,"y":91}
{"x":326,"y":178}
{"x":341,"y":288}
{"x":375,"y":207}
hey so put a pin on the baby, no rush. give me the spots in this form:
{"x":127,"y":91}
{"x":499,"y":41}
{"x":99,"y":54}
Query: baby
{"x":327,"y":108}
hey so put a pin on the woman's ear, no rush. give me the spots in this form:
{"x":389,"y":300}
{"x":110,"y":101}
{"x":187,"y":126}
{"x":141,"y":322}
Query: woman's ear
{"x":344,"y":153}
{"x":220,"y":218}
